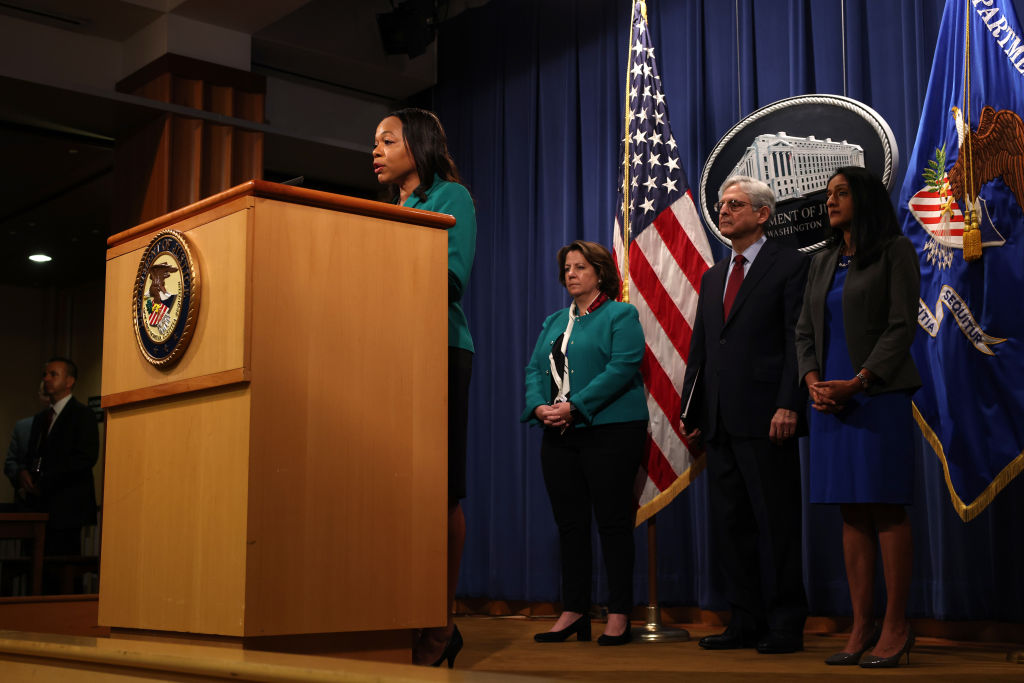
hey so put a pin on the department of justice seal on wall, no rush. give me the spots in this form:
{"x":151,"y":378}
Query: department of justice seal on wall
{"x":795,"y":145}
{"x":165,"y":298}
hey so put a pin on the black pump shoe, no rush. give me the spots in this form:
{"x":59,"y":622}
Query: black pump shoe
{"x":581,"y":627}
{"x":875,"y":662}
{"x":451,"y":648}
{"x":853,"y":658}
{"x":621,"y":639}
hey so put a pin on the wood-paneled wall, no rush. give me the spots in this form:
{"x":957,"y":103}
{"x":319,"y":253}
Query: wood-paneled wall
{"x":176,"y":160}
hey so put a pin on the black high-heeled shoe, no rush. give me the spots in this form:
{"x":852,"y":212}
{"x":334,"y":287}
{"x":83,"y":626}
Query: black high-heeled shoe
{"x":581,"y":627}
{"x":874,"y":662}
{"x":853,"y":658}
{"x":451,"y":648}
{"x":621,"y":639}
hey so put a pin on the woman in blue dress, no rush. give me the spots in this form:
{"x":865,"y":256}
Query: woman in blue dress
{"x":853,"y":346}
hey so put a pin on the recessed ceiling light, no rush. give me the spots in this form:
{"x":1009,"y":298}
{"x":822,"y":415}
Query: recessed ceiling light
{"x":39,"y":258}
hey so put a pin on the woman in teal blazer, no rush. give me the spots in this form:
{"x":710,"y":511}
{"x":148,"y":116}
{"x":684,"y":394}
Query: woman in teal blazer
{"x":583,"y":385}
{"x":410,"y":154}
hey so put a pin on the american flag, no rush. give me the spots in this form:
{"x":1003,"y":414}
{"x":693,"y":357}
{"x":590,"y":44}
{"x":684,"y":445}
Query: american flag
{"x":668,"y":254}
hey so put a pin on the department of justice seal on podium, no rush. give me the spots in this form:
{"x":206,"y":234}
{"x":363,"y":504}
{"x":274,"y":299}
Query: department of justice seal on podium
{"x":165,"y":298}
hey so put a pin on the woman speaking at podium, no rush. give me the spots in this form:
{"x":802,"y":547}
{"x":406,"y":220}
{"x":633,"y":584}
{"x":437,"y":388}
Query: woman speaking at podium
{"x":410,"y":153}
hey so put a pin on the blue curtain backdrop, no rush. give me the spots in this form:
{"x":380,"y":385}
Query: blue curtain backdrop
{"x":531,"y":94}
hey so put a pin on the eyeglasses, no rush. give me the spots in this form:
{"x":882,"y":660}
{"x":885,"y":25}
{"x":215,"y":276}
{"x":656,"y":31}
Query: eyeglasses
{"x":733,"y":204}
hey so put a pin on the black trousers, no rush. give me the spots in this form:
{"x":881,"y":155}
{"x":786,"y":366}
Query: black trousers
{"x":754,"y":491}
{"x":591,"y":470}
{"x":460,"y":370}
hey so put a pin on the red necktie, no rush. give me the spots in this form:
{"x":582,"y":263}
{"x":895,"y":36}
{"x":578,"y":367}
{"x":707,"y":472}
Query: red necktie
{"x":733,"y":285}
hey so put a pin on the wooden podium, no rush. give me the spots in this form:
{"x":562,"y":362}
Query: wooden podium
{"x":288,"y":474}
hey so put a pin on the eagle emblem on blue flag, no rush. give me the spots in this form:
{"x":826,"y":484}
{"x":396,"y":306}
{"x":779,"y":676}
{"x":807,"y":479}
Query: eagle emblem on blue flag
{"x":962,"y":205}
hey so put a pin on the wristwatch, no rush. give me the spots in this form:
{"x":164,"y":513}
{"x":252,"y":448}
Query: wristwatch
{"x":863,"y":379}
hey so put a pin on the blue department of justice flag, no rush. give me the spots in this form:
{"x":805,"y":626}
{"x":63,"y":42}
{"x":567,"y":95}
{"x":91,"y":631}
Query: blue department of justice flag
{"x":962,"y":204}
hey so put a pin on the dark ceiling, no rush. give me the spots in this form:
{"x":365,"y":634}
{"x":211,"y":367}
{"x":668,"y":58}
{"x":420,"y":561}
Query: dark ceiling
{"x":58,"y":196}
{"x":57,"y":181}
{"x":58,"y":142}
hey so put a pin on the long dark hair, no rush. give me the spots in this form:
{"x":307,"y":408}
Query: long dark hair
{"x":428,"y":144}
{"x":874,"y":220}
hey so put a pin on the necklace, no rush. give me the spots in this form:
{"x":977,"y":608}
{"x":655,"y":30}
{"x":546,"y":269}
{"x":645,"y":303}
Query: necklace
{"x":844,"y":261}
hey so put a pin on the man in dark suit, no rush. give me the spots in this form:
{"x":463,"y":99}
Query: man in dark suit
{"x":745,"y":404}
{"x":56,"y":473}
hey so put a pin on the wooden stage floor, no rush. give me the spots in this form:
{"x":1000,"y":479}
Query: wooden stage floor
{"x":497,"y":649}
{"x":506,"y":645}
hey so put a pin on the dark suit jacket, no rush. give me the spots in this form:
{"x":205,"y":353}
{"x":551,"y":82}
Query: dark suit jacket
{"x":879,"y":315}
{"x":69,"y":453}
{"x":747,"y":363}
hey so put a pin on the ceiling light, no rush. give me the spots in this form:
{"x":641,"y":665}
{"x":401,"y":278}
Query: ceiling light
{"x":39,"y":258}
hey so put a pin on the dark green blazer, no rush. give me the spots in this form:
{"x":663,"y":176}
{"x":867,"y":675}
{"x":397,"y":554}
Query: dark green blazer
{"x":604,"y":352}
{"x":454,"y":199}
{"x":880,"y":304}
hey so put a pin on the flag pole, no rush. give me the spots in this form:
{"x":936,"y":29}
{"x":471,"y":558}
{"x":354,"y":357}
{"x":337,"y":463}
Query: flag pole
{"x":972,"y":212}
{"x":652,"y":631}
{"x":625,"y":160}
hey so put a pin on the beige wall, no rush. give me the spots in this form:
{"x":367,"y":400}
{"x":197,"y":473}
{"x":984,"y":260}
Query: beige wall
{"x":39,"y":323}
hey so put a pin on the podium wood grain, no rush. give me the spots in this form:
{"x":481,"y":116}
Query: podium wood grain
{"x":174,"y":523}
{"x":311,"y":498}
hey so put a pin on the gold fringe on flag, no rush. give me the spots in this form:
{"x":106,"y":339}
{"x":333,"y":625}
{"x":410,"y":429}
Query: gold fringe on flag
{"x":969,"y":511}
